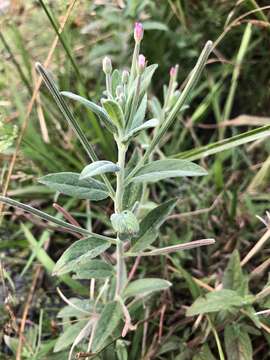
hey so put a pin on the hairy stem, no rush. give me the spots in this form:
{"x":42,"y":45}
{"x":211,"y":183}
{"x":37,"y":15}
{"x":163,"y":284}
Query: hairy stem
{"x":134,"y":64}
{"x":118,"y":207}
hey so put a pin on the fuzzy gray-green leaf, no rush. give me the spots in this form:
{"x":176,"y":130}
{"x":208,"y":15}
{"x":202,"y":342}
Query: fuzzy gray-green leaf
{"x":97,"y":168}
{"x":69,"y":183}
{"x":215,"y":301}
{"x":115,"y":112}
{"x":107,"y":323}
{"x":98,"y":110}
{"x":93,"y":269}
{"x":79,"y":252}
{"x":168,"y":168}
{"x":150,"y":224}
{"x":69,"y":335}
{"x":145,"y":287}
{"x":116,"y":80}
{"x":237,"y":343}
{"x":134,"y":132}
{"x":233,"y":277}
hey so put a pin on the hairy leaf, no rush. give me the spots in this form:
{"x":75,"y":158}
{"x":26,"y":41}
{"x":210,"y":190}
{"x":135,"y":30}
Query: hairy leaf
{"x":233,"y":277}
{"x":69,"y":335}
{"x":145,"y":287}
{"x":94,"y":269}
{"x":116,"y":80}
{"x":150,"y":224}
{"x":79,"y":252}
{"x":98,"y":110}
{"x":97,"y":168}
{"x":69,"y":183}
{"x":140,"y":113}
{"x":134,"y":132}
{"x":237,"y":343}
{"x":78,"y":309}
{"x":115,"y":112}
{"x":204,"y":354}
{"x":217,"y":301}
{"x":162,"y":169}
{"x":107,"y":323}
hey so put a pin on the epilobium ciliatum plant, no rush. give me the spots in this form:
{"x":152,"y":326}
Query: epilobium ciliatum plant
{"x":114,"y":296}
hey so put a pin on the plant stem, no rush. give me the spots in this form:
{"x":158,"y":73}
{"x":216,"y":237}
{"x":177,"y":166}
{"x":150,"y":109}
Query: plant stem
{"x":134,"y":64}
{"x":135,"y":101}
{"x":118,"y":207}
{"x":109,"y":86}
{"x":220,"y":351}
{"x":120,"y":177}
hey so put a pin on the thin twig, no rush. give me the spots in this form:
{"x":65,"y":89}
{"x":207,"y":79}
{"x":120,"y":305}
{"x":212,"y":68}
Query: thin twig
{"x":25,"y":311}
{"x":66,"y":215}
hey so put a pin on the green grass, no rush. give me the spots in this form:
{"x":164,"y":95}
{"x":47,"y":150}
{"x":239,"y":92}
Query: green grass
{"x":222,"y":205}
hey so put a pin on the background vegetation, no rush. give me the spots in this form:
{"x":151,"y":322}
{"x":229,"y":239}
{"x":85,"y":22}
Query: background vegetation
{"x":231,"y":99}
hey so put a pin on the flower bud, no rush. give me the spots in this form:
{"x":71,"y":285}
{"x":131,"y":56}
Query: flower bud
{"x":138,"y":32}
{"x":125,"y":76}
{"x":119,"y":90}
{"x":141,"y":64}
{"x":125,"y":224}
{"x":107,"y":65}
{"x":172,"y":71}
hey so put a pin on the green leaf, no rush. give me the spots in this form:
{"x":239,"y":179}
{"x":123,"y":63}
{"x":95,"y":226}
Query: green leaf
{"x":140,"y":113}
{"x":233,"y":277}
{"x":134,"y":132}
{"x":204,"y":354}
{"x":107,"y":323}
{"x":221,"y":300}
{"x":121,"y":349}
{"x":115,"y":112}
{"x":146,"y":79}
{"x":125,"y":223}
{"x":69,"y":183}
{"x":145,"y":287}
{"x":47,"y":263}
{"x":94,"y":269}
{"x":79,"y":252}
{"x":116,"y":80}
{"x":80,"y":308}
{"x":98,"y":110}
{"x":97,"y":168}
{"x":163,"y":169}
{"x":150,"y":224}
{"x":69,"y":335}
{"x":237,"y":343}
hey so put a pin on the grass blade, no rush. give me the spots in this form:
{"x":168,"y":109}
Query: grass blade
{"x":61,"y":39}
{"x":225,"y":144}
{"x":51,"y":218}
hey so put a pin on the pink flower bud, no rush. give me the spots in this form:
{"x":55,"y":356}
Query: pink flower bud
{"x":138,"y":32}
{"x":141,"y":63}
{"x":172,"y":71}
